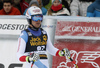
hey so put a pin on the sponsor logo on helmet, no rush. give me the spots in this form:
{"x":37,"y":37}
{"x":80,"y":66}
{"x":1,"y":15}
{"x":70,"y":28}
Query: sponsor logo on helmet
{"x":37,"y":10}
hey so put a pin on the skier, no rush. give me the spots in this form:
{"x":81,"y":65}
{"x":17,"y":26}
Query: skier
{"x":34,"y":42}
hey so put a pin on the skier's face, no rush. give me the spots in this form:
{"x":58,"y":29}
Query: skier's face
{"x":7,"y":7}
{"x":36,"y":20}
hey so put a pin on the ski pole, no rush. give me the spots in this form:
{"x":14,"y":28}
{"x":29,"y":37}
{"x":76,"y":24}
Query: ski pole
{"x":67,"y":55}
{"x":73,"y":62}
{"x":32,"y":64}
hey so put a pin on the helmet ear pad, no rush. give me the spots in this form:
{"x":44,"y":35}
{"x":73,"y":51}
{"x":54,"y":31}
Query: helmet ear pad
{"x":29,"y":21}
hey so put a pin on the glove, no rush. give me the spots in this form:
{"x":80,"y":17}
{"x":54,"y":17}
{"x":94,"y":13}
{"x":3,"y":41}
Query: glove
{"x":32,"y":58}
{"x":64,"y":52}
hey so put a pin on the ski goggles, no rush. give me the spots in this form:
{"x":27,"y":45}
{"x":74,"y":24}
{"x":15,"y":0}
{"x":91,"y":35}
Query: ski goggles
{"x":37,"y":17}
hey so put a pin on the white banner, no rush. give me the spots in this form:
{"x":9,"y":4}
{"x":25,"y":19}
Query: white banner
{"x":12,"y":26}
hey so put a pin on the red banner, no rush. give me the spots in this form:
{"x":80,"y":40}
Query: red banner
{"x":85,"y":53}
{"x":71,"y":28}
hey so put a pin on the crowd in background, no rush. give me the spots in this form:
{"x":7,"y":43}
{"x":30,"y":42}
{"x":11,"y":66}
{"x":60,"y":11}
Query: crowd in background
{"x":86,"y":8}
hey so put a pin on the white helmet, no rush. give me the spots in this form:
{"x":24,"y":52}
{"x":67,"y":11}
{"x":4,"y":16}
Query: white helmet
{"x":34,"y":10}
